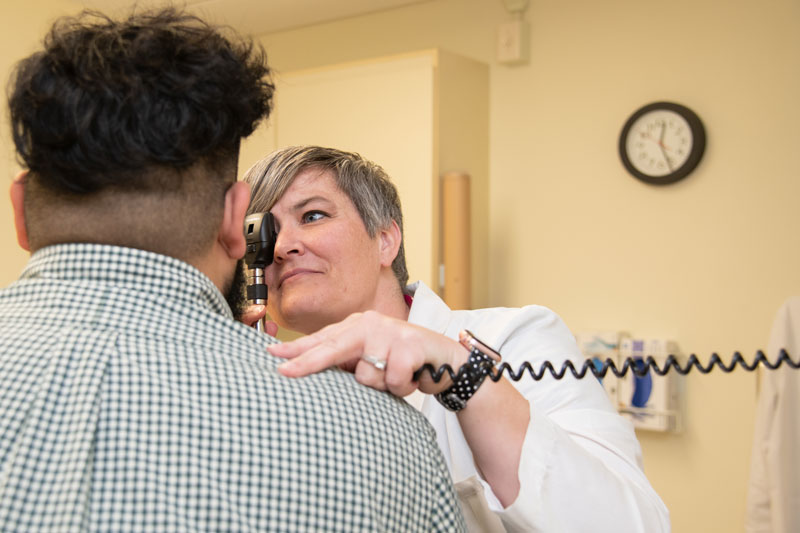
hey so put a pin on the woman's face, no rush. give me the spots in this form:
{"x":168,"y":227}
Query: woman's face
{"x":326,"y":266}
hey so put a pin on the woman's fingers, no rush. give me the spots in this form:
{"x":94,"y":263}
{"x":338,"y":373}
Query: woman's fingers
{"x":271,"y":328}
{"x":382,"y":352}
{"x":315,"y":353}
{"x":253,"y":314}
{"x":292,"y":349}
{"x":367,"y":373}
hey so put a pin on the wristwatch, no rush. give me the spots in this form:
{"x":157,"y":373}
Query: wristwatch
{"x":480,"y":362}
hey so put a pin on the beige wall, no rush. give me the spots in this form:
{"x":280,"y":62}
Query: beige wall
{"x":706,"y":262}
{"x":22,"y":27}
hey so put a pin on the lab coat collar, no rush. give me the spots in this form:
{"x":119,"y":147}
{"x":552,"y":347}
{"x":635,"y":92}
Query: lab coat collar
{"x":428,"y":309}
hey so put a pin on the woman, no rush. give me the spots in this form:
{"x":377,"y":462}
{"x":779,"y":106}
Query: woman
{"x":535,"y":453}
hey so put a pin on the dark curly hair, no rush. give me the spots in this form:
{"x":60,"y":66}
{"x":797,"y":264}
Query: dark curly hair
{"x":108,"y":99}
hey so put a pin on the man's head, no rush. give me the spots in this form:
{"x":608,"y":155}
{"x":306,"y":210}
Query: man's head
{"x":339,"y":229}
{"x":130,"y":130}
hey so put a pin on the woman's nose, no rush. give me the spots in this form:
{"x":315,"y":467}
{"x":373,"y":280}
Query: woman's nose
{"x":287,"y":243}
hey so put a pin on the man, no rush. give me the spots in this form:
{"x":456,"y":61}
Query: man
{"x":129,"y":398}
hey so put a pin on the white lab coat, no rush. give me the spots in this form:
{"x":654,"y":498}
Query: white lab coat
{"x":773,"y":494}
{"x":581,"y":466}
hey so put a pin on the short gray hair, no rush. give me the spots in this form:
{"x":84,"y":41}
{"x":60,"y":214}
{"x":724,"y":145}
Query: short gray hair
{"x":365,"y":183}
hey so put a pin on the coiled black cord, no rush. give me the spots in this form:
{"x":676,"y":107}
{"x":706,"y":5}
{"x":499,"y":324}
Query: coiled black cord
{"x":639,"y":366}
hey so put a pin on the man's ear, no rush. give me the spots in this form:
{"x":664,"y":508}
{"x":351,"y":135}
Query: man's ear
{"x":17,"y":192}
{"x":389,"y":238}
{"x":231,"y":232}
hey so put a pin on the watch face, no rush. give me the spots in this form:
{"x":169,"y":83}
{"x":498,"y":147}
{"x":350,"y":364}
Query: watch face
{"x":662,"y":143}
{"x":470,"y":342}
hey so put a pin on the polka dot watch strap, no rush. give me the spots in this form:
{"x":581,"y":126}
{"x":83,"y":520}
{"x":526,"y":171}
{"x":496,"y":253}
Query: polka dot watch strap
{"x":474,"y":372}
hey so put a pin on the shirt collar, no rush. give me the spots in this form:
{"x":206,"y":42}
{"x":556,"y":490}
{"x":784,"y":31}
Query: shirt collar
{"x":127,"y":268}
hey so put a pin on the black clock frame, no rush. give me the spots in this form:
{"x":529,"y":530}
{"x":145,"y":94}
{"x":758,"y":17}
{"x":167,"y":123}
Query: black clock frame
{"x":698,"y":143}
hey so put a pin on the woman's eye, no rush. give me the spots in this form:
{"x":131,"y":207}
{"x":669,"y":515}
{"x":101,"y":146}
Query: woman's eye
{"x":313,"y":216}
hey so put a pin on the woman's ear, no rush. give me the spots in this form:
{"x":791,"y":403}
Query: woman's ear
{"x":17,"y":193}
{"x":390,"y":239}
{"x":231,"y":233}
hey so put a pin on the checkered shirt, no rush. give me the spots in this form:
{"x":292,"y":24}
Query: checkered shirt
{"x":131,"y":401}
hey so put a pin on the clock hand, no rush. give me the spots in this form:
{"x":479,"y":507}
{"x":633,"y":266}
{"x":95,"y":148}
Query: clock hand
{"x":666,"y":157}
{"x":660,"y":141}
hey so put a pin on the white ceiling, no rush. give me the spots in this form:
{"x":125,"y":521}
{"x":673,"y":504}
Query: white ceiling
{"x":261,"y":16}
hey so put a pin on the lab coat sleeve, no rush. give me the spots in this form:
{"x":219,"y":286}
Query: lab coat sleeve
{"x":773,"y":495}
{"x":759,"y":516}
{"x":580,"y":468}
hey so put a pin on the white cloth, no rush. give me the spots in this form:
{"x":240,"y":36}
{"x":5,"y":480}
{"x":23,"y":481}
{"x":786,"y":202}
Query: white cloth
{"x":581,"y":466}
{"x":773,"y":494}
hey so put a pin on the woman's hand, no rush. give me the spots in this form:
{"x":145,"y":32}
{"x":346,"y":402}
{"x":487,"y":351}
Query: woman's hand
{"x":404,"y":347}
{"x":253,"y":314}
{"x":496,"y":417}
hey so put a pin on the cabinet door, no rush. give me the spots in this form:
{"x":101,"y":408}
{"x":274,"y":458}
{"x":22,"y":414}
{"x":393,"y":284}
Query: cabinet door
{"x":382,"y":109}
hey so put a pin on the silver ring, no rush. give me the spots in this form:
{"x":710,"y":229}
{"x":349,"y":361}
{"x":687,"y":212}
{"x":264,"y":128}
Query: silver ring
{"x":380,"y":364}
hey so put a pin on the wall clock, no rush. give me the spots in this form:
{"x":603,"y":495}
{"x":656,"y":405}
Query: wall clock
{"x":662,"y":143}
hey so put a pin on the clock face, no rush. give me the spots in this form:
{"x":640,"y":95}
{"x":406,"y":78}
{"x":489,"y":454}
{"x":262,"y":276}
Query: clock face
{"x":662,"y":143}
{"x":659,"y":143}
